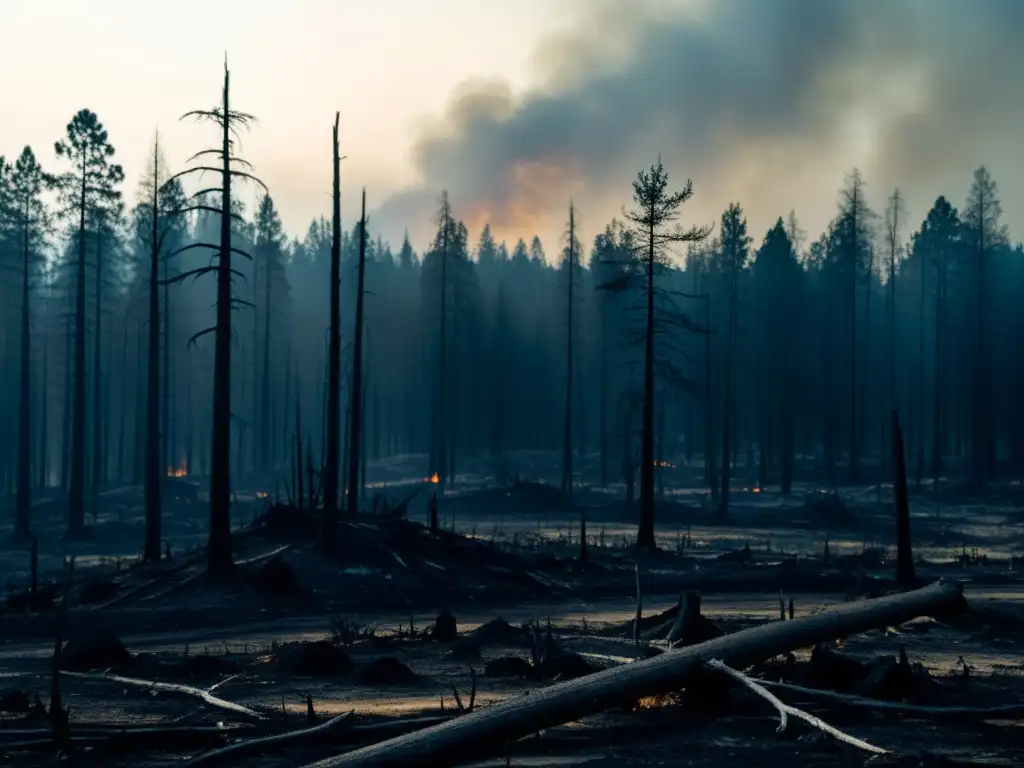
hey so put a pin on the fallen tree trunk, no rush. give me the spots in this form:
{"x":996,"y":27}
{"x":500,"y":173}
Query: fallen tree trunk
{"x":486,"y":732}
{"x":267,"y":743}
{"x":184,"y":690}
{"x":128,"y":740}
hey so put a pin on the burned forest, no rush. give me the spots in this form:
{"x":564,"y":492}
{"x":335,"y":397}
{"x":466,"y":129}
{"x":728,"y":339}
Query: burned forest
{"x":623,"y":463}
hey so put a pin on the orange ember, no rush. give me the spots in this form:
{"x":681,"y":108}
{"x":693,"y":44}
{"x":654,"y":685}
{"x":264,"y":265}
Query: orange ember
{"x":262,"y":495}
{"x":434,"y":479}
{"x":180,"y":471}
{"x":756,"y":490}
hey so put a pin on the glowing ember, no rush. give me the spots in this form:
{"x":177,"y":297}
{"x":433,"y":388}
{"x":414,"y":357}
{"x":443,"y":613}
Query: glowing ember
{"x":756,"y":490}
{"x":262,"y":495}
{"x":180,"y":471}
{"x":657,"y":702}
{"x":434,"y":479}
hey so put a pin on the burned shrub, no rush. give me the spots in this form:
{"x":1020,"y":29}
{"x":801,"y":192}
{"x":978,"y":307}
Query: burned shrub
{"x":94,"y":649}
{"x":500,"y":632}
{"x":316,"y":659}
{"x":445,"y":628}
{"x":98,"y":590}
{"x":276,"y":576}
{"x":15,"y":701}
{"x":828,"y":510}
{"x":567,"y":666}
{"x":387,"y":670}
{"x":509,"y":666}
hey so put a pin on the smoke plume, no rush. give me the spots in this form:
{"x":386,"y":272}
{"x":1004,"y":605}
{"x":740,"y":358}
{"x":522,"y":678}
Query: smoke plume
{"x":766,"y":103}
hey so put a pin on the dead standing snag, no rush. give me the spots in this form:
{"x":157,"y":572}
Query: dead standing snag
{"x":230,"y":122}
{"x":484,"y":733}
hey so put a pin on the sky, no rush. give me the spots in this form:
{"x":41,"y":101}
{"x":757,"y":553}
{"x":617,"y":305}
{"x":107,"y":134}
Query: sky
{"x":516,"y":108}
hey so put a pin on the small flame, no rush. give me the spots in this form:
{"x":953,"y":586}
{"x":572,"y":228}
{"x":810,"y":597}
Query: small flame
{"x":434,"y":479}
{"x":262,"y":495}
{"x":179,"y":471}
{"x":756,"y":490}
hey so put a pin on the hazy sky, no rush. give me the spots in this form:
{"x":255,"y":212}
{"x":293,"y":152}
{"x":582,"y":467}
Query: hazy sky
{"x":768,"y":102}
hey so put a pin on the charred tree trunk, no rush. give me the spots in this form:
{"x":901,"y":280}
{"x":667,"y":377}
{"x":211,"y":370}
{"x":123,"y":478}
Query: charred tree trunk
{"x":567,"y":436}
{"x":219,"y":548}
{"x":98,"y":385}
{"x":603,"y":407}
{"x":355,"y":425}
{"x":44,"y":416}
{"x":22,"y":525}
{"x":938,"y":432}
{"x":139,"y":463}
{"x":76,"y":482}
{"x":788,"y":426}
{"x":645,"y":533}
{"x":727,"y":397}
{"x":165,"y":385}
{"x":921,"y":399}
{"x":66,"y":406}
{"x":330,"y":482}
{"x":854,"y":435}
{"x":265,"y":426}
{"x":440,"y":422}
{"x":122,"y":422}
{"x":904,"y":552}
{"x":710,"y":467}
{"x":297,"y":473}
{"x":154,"y":469}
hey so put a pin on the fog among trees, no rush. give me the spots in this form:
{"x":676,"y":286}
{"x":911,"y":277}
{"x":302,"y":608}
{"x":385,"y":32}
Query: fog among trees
{"x":159,"y":324}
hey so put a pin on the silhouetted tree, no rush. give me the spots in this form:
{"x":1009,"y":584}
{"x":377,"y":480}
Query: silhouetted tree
{"x":28,"y":220}
{"x":331,"y":459}
{"x":86,"y":187}
{"x":571,"y":258}
{"x":655,"y":231}
{"x":982,"y":231}
{"x":852,"y":245}
{"x":356,"y":408}
{"x":229,"y":122}
{"x":735,"y":249}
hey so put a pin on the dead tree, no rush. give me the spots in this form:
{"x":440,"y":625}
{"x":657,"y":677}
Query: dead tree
{"x":28,"y":182}
{"x":356,"y":409}
{"x":229,"y":122}
{"x":904,"y":552}
{"x":153,"y":479}
{"x":567,"y":438}
{"x":330,"y":479}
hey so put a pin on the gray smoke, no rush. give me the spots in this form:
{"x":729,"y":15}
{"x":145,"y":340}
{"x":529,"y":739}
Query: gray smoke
{"x":768,"y":102}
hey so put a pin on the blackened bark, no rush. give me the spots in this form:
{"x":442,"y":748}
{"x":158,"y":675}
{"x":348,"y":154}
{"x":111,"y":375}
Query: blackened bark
{"x":333,"y":363}
{"x":154,"y":469}
{"x":355,"y":425}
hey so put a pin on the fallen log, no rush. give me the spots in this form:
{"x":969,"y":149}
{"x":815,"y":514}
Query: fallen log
{"x":128,"y":740}
{"x":100,"y":730}
{"x":485,"y":733}
{"x":1007,"y":711}
{"x":277,"y":741}
{"x":184,"y":690}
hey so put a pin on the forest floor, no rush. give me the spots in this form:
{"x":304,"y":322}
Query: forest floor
{"x":355,"y":634}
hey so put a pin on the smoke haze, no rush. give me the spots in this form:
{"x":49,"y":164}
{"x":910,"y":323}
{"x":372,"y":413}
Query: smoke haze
{"x":767,"y":103}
